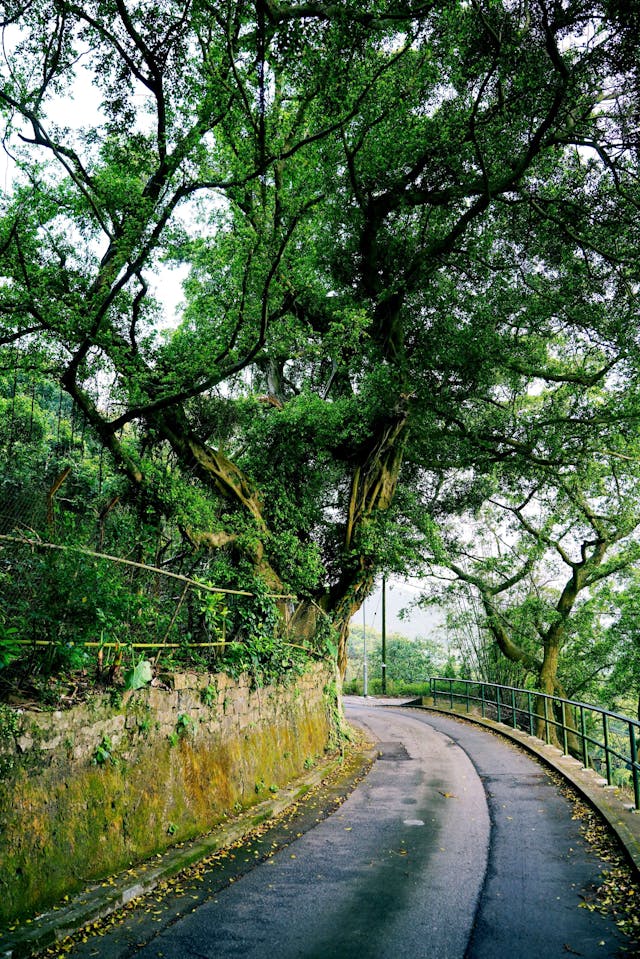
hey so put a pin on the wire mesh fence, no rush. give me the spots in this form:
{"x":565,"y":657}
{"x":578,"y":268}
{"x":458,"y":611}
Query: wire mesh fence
{"x":73,"y":589}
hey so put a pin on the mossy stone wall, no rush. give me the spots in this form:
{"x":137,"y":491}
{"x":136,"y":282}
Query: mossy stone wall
{"x":90,"y":791}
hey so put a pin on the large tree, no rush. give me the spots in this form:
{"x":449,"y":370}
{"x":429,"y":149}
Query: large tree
{"x":541,"y":561}
{"x":346,"y":187}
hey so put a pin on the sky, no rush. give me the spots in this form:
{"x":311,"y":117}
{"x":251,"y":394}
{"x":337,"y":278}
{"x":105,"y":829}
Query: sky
{"x":400,"y":595}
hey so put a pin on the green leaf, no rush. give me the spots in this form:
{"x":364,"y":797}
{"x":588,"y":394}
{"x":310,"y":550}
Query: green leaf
{"x":139,"y":676}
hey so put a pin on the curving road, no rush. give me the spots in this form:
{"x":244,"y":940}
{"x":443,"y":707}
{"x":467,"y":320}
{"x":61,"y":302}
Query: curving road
{"x":455,"y":846}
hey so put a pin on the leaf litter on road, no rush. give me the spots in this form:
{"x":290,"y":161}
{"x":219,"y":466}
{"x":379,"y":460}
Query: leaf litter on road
{"x":618,"y":894}
{"x":201,"y":881}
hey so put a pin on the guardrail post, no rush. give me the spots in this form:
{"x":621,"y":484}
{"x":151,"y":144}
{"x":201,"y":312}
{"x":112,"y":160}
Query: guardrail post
{"x":498,"y":704}
{"x":466,"y":686}
{"x":514,"y":720}
{"x":451,"y":693}
{"x":565,"y":738}
{"x":529,"y":707}
{"x":482,"y":700}
{"x":607,"y":757}
{"x":583,"y":734}
{"x":547,"y":737}
{"x":635,"y":772}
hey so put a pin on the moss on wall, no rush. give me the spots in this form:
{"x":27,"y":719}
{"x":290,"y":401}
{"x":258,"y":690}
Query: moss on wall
{"x":89,"y":792}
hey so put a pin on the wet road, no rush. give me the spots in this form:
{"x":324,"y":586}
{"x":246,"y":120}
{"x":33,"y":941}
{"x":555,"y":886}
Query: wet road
{"x":455,"y":846}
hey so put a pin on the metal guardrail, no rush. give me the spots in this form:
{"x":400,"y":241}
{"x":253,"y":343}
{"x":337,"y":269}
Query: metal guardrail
{"x":604,"y":741}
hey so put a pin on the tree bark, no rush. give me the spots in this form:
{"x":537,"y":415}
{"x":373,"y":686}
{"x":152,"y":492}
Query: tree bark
{"x":373,"y":486}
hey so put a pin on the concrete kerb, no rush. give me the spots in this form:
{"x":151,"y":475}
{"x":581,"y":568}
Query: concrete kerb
{"x":621,"y":817}
{"x":102,"y":899}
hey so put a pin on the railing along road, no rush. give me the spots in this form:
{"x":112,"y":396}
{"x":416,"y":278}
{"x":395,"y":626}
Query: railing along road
{"x":605,"y":741}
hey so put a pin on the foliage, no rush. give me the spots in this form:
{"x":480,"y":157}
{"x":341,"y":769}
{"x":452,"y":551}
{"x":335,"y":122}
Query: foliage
{"x":537,"y":554}
{"x":9,"y":723}
{"x":184,"y":725}
{"x":209,"y":695}
{"x":410,"y":244}
{"x":9,"y":647}
{"x":139,"y":675}
{"x":410,"y":662}
{"x":103,"y":753}
{"x":620,"y":641}
{"x":81,"y":604}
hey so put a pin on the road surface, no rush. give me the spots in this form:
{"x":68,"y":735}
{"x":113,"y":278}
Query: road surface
{"x":455,"y":846}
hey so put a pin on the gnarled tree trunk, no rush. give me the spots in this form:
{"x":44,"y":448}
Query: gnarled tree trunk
{"x":373,"y":486}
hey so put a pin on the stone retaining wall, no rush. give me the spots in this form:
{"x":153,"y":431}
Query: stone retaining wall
{"x":88,"y":792}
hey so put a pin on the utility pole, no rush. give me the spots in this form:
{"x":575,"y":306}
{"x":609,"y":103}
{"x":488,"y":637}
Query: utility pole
{"x":365,"y":677}
{"x":384,"y":634}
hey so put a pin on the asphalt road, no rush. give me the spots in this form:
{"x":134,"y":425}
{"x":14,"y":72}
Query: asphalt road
{"x":455,"y":846}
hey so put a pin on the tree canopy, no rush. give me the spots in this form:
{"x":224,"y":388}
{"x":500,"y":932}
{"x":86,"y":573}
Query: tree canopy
{"x":409,"y":234}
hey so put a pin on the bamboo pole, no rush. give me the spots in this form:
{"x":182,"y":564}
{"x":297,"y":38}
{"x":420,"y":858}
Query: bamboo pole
{"x":38,"y":544}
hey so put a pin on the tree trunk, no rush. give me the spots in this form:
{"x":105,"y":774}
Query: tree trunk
{"x":345,"y":610}
{"x":545,"y":727}
{"x":373,"y":486}
{"x":228,"y":481}
{"x":553,"y":642}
